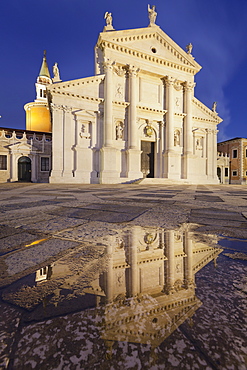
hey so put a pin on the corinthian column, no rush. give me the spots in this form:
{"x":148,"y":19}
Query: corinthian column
{"x":188,"y":137}
{"x":187,"y":159}
{"x":171,"y":157}
{"x":132,"y":107}
{"x":189,"y":276}
{"x":169,"y":83}
{"x":108,"y":88}
{"x":133,"y":152}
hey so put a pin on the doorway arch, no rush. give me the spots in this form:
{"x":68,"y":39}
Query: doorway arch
{"x":219,"y":174}
{"x":24,"y":169}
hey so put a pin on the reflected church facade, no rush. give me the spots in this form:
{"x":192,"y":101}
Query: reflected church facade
{"x":147,"y":287}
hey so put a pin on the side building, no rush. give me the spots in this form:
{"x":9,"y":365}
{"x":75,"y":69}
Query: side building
{"x":237,"y":151}
{"x":25,"y":155}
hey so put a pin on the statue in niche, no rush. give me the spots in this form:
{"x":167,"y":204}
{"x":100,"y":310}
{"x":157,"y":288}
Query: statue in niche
{"x":176,"y":138}
{"x":119,"y":131}
{"x":56,"y":73}
{"x":214,"y":107}
{"x":189,"y":48}
{"x":108,"y":18}
{"x":152,"y":14}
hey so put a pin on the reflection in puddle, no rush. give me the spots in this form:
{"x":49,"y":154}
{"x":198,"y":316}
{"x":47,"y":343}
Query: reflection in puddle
{"x":140,"y":283}
{"x":35,"y":242}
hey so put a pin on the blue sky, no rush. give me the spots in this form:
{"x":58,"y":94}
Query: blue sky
{"x":68,"y":30}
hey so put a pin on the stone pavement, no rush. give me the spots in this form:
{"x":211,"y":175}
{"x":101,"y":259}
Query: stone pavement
{"x":43,"y":223}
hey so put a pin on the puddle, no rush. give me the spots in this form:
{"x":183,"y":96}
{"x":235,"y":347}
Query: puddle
{"x":138,"y":298}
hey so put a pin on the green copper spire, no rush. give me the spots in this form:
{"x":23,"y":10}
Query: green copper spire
{"x":44,"y":71}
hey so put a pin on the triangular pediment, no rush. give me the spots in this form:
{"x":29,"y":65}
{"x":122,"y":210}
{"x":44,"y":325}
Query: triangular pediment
{"x":203,"y":255}
{"x":25,"y":147}
{"x":151,"y":41}
{"x":202,"y":112}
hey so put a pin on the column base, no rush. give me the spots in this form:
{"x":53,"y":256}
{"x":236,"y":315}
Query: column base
{"x":108,"y":166}
{"x":134,"y":164}
{"x":172,"y":165}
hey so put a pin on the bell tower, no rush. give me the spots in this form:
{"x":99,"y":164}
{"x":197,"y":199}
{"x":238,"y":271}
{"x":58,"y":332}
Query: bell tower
{"x":37,"y":113}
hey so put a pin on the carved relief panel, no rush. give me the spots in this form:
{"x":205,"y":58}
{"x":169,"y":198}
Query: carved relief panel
{"x":178,"y":97}
{"x":119,"y":87}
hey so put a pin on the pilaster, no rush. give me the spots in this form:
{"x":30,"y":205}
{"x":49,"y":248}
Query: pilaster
{"x":57,"y":143}
{"x":209,"y":141}
{"x":171,"y":168}
{"x":67,"y":143}
{"x":133,"y":270}
{"x":34,"y":168}
{"x":171,"y":262}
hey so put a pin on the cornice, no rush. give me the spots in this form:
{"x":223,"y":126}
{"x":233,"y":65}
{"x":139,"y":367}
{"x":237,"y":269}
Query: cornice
{"x":180,"y":114}
{"x":122,"y":103}
{"x":147,"y":109}
{"x":72,"y":95}
{"x":79,"y":82}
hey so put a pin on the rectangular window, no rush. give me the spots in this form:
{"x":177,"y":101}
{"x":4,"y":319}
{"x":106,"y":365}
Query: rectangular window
{"x":3,"y":162}
{"x":226,"y":172}
{"x":234,"y":173}
{"x":245,"y":173}
{"x":45,"y":164}
{"x":235,"y":153}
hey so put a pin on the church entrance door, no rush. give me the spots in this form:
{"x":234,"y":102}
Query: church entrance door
{"x":147,"y":158}
{"x":24,"y":169}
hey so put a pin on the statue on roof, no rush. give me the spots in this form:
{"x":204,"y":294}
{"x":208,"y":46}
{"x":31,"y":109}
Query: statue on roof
{"x":214,"y":107}
{"x":108,"y":18}
{"x":152,"y":14}
{"x":189,"y":48}
{"x":56,"y":73}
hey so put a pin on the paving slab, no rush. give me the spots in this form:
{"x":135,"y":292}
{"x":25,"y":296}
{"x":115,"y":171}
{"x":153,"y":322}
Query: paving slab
{"x":96,"y":292}
{"x":53,"y":225}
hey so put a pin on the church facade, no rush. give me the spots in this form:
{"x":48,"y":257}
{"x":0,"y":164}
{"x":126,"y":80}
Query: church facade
{"x":137,"y":117}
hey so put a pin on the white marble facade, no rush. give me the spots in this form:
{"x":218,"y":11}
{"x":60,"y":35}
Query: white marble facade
{"x":137,"y":117}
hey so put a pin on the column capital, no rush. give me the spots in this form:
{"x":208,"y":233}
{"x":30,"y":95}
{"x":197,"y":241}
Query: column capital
{"x":189,"y":86}
{"x":108,"y":64}
{"x":132,"y":70}
{"x":169,"y":81}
